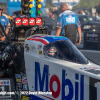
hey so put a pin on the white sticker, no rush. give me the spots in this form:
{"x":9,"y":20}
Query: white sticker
{"x":70,"y":20}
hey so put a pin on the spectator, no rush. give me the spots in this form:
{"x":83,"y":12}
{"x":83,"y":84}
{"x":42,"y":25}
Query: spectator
{"x":67,"y":24}
{"x":51,"y":9}
{"x":50,"y":15}
{"x":47,"y":12}
{"x":96,"y":16}
{"x":79,"y":12}
{"x":82,"y":12}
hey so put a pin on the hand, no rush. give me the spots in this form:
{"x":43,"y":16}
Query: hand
{"x":78,"y":42}
{"x":3,"y":38}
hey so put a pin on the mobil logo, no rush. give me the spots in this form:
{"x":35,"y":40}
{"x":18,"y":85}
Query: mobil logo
{"x":44,"y":82}
{"x":4,"y":82}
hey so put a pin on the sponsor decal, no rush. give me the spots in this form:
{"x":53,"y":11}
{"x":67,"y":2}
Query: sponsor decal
{"x":4,"y":82}
{"x":18,"y":80}
{"x":17,"y":75}
{"x":24,"y":77}
{"x":25,"y":98}
{"x":24,"y":81}
{"x":70,"y":20}
{"x":91,"y":67}
{"x":70,"y":16}
{"x":45,"y":84}
{"x":19,"y":85}
{"x":85,"y":68}
{"x":91,"y":35}
{"x":24,"y":86}
{"x":5,"y":86}
{"x":26,"y":48}
{"x":2,"y":19}
{"x":40,"y":52}
{"x":39,"y":46}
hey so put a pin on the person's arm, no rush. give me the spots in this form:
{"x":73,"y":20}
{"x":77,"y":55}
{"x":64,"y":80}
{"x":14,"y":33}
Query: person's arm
{"x":7,"y":24}
{"x":79,"y":33}
{"x":58,"y":31}
{"x":7,"y":30}
{"x":79,"y":30}
{"x":3,"y":38}
{"x":59,"y":26}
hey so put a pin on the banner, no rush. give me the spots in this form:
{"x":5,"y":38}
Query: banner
{"x":13,"y":5}
{"x":68,"y":2}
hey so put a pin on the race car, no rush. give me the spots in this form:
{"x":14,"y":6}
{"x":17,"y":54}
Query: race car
{"x":57,"y":70}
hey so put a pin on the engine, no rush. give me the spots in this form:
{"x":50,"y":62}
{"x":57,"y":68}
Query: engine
{"x":11,"y":60}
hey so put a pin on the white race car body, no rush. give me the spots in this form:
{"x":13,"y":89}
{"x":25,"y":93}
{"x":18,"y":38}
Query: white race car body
{"x":75,"y":79}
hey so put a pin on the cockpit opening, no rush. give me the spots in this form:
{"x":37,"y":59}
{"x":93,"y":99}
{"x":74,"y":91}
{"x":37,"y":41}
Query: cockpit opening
{"x":64,"y":50}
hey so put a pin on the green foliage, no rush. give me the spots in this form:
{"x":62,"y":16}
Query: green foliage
{"x":87,"y":3}
{"x":48,"y":4}
{"x":83,"y":3}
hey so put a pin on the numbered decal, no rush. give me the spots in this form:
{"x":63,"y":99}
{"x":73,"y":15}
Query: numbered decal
{"x":70,"y":20}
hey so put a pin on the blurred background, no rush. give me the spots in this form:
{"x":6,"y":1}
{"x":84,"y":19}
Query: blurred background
{"x":88,"y":6}
{"x":88,"y":12}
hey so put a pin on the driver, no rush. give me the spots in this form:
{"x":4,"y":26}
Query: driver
{"x":52,"y":52}
{"x":5,"y":23}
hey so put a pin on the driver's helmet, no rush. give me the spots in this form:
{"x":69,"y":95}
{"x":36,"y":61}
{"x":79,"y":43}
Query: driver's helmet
{"x":52,"y":51}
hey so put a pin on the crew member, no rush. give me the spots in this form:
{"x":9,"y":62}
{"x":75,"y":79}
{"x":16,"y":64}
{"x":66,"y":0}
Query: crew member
{"x":68,"y":24}
{"x":5,"y":23}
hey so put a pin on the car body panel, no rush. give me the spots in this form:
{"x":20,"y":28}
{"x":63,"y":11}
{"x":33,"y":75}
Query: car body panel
{"x":65,"y":79}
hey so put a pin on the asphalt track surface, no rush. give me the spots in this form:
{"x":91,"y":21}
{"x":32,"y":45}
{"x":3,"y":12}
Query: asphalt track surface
{"x":93,"y":55}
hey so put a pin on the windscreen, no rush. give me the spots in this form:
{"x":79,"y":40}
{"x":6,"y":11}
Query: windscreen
{"x":86,"y":19}
{"x":64,"y":50}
